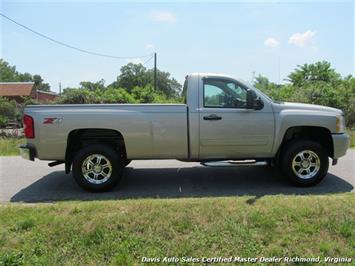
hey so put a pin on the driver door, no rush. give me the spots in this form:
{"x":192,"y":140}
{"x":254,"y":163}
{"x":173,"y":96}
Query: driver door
{"x":227,"y":129}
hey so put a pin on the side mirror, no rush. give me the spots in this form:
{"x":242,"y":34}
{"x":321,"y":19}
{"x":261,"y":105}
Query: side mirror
{"x":251,"y":98}
{"x":254,"y":102}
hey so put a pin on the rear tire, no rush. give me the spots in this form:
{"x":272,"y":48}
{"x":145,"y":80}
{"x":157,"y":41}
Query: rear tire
{"x":305,"y":163}
{"x":97,"y":168}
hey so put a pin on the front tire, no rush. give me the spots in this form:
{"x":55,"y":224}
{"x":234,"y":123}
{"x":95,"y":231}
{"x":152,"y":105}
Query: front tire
{"x":97,"y":168}
{"x":305,"y":163}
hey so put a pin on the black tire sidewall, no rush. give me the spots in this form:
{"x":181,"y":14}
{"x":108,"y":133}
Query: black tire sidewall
{"x":110,"y":154}
{"x":290,"y":151}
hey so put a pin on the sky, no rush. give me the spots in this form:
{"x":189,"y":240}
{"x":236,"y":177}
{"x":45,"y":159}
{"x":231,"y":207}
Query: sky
{"x":238,"y":38}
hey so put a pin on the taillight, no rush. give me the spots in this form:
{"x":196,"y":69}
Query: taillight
{"x":29,"y":129}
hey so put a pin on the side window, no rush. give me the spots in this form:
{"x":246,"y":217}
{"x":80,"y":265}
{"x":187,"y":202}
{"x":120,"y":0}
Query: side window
{"x":214,"y":96}
{"x":220,"y":93}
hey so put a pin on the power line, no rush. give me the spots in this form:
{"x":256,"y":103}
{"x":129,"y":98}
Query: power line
{"x":71,"y":46}
{"x":148,"y":60}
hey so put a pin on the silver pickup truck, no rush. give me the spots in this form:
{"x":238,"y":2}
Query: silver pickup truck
{"x":223,"y":122}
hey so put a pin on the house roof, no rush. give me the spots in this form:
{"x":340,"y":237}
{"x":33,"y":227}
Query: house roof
{"x":16,"y":88}
{"x":47,"y":92}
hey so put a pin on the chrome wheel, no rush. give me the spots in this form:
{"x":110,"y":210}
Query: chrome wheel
{"x":96,"y":169}
{"x":306,"y":164}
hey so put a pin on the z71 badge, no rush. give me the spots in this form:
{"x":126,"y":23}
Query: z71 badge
{"x":53,"y":120}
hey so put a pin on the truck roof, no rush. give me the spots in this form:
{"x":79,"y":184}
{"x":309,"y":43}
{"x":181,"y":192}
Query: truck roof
{"x":204,"y":74}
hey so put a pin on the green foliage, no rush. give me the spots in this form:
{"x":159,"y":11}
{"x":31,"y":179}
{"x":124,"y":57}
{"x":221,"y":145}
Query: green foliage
{"x":20,"y":107}
{"x":315,"y":83}
{"x":113,"y":95}
{"x":92,"y":86}
{"x":39,"y":85}
{"x":9,"y":73}
{"x":86,"y":96}
{"x":118,"y":232}
{"x":136,"y":75}
{"x":319,"y":71}
{"x":77,"y":96}
{"x":165,"y":84}
{"x":133,"y":85}
{"x":351,"y":133}
{"x":132,"y":75}
{"x":148,"y":95}
{"x":12,"y":111}
{"x":7,"y":111}
{"x":119,"y":95}
{"x":269,"y":88}
{"x":9,"y":145}
{"x":24,"y":224}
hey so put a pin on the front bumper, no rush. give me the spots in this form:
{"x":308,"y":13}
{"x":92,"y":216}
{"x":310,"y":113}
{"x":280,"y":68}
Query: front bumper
{"x":340,"y":144}
{"x":27,"y":152}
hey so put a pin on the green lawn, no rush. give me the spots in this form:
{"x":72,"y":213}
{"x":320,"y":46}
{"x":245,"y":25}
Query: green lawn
{"x":121,"y":232}
{"x":351,"y":132}
{"x":9,"y":146}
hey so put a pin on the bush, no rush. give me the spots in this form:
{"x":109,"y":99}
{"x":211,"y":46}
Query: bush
{"x":113,"y":95}
{"x":338,"y":94}
{"x":8,"y":111}
{"x":76,"y":96}
{"x":3,"y":121}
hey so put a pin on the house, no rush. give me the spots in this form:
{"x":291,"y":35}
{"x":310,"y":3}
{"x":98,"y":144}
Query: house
{"x":17,"y":90}
{"x":46,"y":96}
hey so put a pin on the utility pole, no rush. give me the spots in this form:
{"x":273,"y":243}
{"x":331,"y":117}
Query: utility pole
{"x":252,"y":76}
{"x":155,"y":71}
{"x":60,"y":88}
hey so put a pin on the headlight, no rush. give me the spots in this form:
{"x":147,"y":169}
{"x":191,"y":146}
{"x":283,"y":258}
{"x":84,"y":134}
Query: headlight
{"x":340,"y":124}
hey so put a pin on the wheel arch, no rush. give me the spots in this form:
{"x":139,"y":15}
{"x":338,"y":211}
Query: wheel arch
{"x":317,"y":134}
{"x":79,"y":138}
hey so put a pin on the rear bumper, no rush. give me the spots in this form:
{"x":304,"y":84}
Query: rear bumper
{"x":27,"y":152}
{"x":340,"y":144}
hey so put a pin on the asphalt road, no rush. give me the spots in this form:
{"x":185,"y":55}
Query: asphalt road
{"x":26,"y":181}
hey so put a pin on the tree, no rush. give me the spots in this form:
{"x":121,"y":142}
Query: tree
{"x":319,"y":71}
{"x":92,"y":86}
{"x":165,"y":84}
{"x":9,"y":73}
{"x":136,"y":75}
{"x":7,"y":111}
{"x":269,"y":88}
{"x":132,"y":75}
{"x":39,"y":85}
{"x":76,"y":96}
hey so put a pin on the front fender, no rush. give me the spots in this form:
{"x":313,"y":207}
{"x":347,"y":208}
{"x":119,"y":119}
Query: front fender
{"x":301,"y":118}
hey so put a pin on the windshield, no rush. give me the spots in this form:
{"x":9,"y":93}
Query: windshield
{"x":258,"y":91}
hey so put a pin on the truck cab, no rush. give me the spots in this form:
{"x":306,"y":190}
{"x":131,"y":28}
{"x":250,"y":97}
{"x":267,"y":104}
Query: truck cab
{"x":228,"y":119}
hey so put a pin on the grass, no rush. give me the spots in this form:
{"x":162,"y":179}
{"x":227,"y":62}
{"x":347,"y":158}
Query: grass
{"x":122,"y":232}
{"x":351,"y":133}
{"x":9,"y":145}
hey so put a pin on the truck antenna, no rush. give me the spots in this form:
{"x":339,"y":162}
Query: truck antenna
{"x":155,"y":71}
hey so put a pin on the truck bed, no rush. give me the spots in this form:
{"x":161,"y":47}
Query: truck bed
{"x":150,"y":131}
